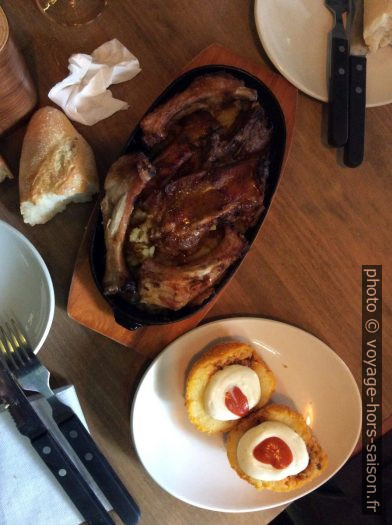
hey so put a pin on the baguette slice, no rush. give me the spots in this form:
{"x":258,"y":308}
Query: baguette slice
{"x":57,"y":167}
{"x":377,"y":23}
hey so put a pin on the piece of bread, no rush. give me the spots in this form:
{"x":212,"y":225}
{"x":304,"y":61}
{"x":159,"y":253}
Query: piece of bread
{"x":5,"y":172}
{"x":215,"y":359}
{"x":57,"y":167}
{"x":377,"y":26}
{"x":317,"y":458}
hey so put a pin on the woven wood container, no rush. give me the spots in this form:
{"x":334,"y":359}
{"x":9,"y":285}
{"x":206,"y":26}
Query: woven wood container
{"x":17,"y":93}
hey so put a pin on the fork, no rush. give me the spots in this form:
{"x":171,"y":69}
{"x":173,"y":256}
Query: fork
{"x":34,"y":377}
{"x":338,"y":81}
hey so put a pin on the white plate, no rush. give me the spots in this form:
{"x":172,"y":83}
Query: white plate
{"x":193,"y":466}
{"x":294,"y":34}
{"x":26,"y":288}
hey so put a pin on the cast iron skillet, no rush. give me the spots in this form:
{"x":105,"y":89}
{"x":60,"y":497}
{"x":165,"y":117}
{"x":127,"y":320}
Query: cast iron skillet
{"x":129,"y":315}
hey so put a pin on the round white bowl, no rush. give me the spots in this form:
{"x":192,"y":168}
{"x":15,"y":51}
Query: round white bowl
{"x":26,"y":289}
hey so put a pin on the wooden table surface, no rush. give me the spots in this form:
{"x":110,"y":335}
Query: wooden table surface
{"x":305,"y":267}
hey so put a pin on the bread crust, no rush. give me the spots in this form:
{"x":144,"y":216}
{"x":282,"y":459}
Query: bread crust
{"x":377,"y":23}
{"x":215,"y":359}
{"x":56,"y":160}
{"x":318,"y":459}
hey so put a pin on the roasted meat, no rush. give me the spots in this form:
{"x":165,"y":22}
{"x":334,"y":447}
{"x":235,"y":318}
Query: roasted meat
{"x":174,"y":287}
{"x":188,"y":207}
{"x":249,"y":135}
{"x":172,"y":236}
{"x":184,"y":153}
{"x":205,"y":92}
{"x":124,"y":182}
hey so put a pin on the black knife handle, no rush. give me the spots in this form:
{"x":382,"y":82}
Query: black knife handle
{"x":338,"y":93}
{"x":354,"y":149}
{"x":71,"y":480}
{"x":97,"y":465}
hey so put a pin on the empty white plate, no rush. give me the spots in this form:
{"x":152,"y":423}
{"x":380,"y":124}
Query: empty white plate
{"x":294,"y":34}
{"x":193,"y":466}
{"x":26,"y":289}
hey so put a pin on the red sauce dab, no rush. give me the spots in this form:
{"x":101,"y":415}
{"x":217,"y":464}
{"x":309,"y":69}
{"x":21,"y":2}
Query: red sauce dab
{"x":273,"y":451}
{"x":237,"y":402}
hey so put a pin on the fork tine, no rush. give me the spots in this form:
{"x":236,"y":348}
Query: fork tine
{"x":3,"y":354}
{"x":12,"y":338}
{"x":13,"y":346}
{"x":22,"y":340}
{"x":7,"y":350}
{"x":18,"y":350}
{"x":3,"y":351}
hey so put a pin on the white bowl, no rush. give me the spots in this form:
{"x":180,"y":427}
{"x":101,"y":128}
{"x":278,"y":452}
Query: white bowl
{"x":26,"y":289}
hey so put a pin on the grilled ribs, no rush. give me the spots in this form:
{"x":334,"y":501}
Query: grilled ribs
{"x":175,"y":223}
{"x":205,"y":92}
{"x":173,"y":287}
{"x":190,"y":206}
{"x":124,"y":182}
{"x":249,"y":135}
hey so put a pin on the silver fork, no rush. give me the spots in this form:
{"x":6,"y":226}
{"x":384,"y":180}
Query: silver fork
{"x":33,"y":376}
{"x":23,"y":363}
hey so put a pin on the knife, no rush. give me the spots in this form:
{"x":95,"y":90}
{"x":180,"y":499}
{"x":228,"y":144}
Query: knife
{"x":354,"y":148}
{"x":29,"y":424}
{"x":95,"y":462}
{"x":338,"y":76}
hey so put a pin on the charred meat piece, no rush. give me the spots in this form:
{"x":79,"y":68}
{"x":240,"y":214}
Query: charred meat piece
{"x":124,"y":182}
{"x":197,"y":126}
{"x":192,"y":205}
{"x":173,"y":286}
{"x":205,"y":92}
{"x":188,"y":140}
{"x":249,"y":135}
{"x":184,"y":151}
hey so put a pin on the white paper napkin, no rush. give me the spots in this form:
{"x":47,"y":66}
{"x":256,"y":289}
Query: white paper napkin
{"x":83,"y":95}
{"x":29,"y":493}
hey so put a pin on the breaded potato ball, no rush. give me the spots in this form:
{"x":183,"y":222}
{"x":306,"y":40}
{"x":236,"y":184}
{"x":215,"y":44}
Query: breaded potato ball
{"x":225,"y":384}
{"x":283,"y":424}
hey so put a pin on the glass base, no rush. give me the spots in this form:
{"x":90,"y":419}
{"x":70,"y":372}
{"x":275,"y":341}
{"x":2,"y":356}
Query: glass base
{"x":72,"y":12}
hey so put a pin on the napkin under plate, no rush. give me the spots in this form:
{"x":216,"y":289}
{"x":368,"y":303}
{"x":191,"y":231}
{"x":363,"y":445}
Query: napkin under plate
{"x":29,"y":493}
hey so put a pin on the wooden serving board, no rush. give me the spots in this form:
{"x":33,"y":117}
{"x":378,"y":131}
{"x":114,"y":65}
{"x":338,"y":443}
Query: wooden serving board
{"x":85,"y":303}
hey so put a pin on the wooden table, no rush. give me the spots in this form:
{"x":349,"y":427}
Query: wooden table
{"x":305,"y":268}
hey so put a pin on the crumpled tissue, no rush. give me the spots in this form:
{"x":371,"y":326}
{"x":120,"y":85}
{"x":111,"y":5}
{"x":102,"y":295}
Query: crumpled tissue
{"x":83,"y":94}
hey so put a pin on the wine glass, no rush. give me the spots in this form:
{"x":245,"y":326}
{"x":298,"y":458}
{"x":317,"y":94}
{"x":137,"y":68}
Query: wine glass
{"x":72,"y":12}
